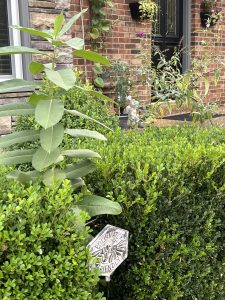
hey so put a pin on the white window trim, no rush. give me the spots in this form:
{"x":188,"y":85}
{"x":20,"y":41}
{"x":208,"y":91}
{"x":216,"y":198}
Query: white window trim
{"x":15,"y":40}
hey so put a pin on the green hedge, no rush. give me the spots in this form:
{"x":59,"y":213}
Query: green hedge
{"x":85,"y":103}
{"x":171,"y":184}
{"x":43,"y":241}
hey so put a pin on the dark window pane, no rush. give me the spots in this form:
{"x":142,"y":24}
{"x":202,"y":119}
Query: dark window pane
{"x":5,"y":61}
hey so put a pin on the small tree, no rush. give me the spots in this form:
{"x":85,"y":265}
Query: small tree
{"x":48,"y":113}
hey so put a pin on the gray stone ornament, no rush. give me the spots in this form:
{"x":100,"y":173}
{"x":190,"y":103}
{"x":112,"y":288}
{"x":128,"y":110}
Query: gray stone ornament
{"x":110,"y":247}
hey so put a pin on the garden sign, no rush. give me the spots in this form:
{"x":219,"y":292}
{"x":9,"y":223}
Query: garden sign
{"x":110,"y":246}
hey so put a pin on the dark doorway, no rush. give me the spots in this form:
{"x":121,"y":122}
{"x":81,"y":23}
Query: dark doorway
{"x":168,"y":30}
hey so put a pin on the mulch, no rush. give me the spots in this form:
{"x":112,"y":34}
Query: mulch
{"x":185,"y":118}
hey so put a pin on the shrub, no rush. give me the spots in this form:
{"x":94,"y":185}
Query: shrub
{"x":171,"y":184}
{"x":43,"y":242}
{"x":73,"y":99}
{"x":79,"y":100}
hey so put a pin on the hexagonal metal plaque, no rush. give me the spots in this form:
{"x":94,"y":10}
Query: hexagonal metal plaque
{"x":110,"y":246}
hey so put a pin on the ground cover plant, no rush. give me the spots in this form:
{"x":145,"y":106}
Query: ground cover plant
{"x":170,"y":183}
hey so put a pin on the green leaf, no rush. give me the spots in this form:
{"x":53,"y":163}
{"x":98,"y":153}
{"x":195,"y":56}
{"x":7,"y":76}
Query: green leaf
{"x":85,"y":133}
{"x":35,"y":98}
{"x":52,"y":137}
{"x":79,"y":114}
{"x":19,"y":137}
{"x":24,"y":177}
{"x":48,"y":66}
{"x":95,"y":205}
{"x":106,"y":28}
{"x":53,"y":176}
{"x":62,"y":78}
{"x":75,"y":43}
{"x":76,"y":183}
{"x":35,"y":67}
{"x":17,"y":84}
{"x":58,"y":43}
{"x":81,"y":153}
{"x":99,"y":82}
{"x":80,"y":169}
{"x":92,"y":56}
{"x":95,"y":34}
{"x":206,"y":86}
{"x":43,"y":159}
{"x":49,"y":112}
{"x":96,"y":94}
{"x":16,"y":109}
{"x":8,"y":50}
{"x":16,"y":157}
{"x":101,"y":96}
{"x":216,"y":74}
{"x":35,"y":32}
{"x":58,"y":23}
{"x":98,"y":69}
{"x":70,"y":23}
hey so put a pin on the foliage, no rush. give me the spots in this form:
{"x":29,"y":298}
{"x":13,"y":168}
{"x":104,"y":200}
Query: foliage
{"x":204,"y":112}
{"x":165,"y":74}
{"x":196,"y":82}
{"x":170,"y":182}
{"x":209,"y":4}
{"x":80,"y":100}
{"x":168,"y":83}
{"x":43,"y":240}
{"x":148,"y":9}
{"x":121,"y":75}
{"x":190,"y":88}
{"x":48,"y":112}
{"x":211,"y":14}
{"x":99,"y":24}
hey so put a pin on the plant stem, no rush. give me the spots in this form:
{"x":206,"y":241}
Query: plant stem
{"x":54,"y":58}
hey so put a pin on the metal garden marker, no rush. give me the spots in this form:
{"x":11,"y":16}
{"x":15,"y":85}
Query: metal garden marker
{"x":110,"y":246}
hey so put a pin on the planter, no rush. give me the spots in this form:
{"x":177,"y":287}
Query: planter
{"x":123,"y":121}
{"x":135,"y":12}
{"x":205,"y":16}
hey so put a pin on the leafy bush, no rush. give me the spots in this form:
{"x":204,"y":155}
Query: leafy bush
{"x":74,"y":99}
{"x":165,"y":73}
{"x":43,"y":242}
{"x":171,"y":184}
{"x":79,"y":100}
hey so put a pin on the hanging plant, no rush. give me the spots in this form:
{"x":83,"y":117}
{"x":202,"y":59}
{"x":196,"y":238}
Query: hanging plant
{"x":210,"y":14}
{"x":143,"y":9}
{"x":148,"y":9}
{"x":99,"y":24}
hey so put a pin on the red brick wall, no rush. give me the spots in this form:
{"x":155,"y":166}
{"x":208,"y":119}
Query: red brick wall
{"x":214,"y":40}
{"x":121,"y":43}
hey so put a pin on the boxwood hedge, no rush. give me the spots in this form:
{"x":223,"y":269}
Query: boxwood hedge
{"x":171,"y":184}
{"x":43,"y":253}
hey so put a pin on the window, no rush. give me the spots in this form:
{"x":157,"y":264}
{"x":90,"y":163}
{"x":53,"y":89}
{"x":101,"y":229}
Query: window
{"x":13,"y":12}
{"x":5,"y":61}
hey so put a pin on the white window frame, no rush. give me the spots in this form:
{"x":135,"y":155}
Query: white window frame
{"x":15,"y":40}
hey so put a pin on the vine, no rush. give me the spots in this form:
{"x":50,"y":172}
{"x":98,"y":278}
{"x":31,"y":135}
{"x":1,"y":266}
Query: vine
{"x":99,"y":23}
